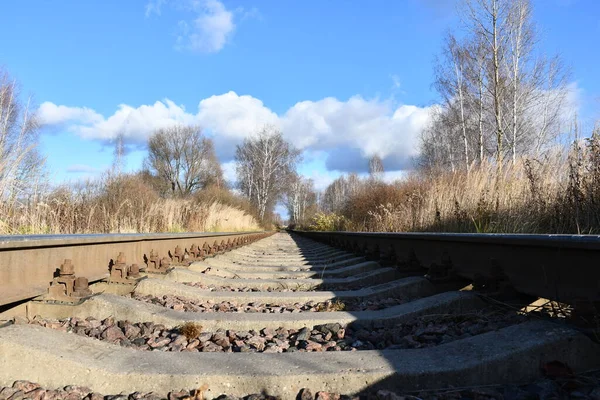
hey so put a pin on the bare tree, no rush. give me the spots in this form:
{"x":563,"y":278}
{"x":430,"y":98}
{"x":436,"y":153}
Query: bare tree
{"x":498,"y":97}
{"x":451,"y":83}
{"x":376,"y":167}
{"x":439,"y":142}
{"x":20,"y":161}
{"x":335,"y":195}
{"x":353,"y":184}
{"x":476,"y":81}
{"x":547,"y":102}
{"x":182,"y":157}
{"x":213,"y":173}
{"x":300,"y":199}
{"x":265,"y":163}
{"x":521,"y":37}
{"x":487,"y":19}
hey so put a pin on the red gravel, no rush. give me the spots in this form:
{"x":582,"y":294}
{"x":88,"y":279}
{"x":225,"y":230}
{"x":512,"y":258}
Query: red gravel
{"x":417,"y":333}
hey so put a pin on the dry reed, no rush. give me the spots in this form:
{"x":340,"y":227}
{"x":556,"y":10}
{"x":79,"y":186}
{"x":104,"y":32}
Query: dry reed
{"x":126,"y":204}
{"x":559,"y":193}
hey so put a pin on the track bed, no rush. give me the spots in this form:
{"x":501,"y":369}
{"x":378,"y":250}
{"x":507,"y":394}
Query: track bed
{"x":287,"y":317}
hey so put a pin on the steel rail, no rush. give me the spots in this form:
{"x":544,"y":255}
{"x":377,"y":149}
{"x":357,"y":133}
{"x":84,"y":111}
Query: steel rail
{"x":564,"y":268}
{"x":28,"y":263}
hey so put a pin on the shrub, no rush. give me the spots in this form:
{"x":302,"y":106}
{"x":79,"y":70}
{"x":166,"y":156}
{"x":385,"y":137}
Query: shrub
{"x":328,"y":222}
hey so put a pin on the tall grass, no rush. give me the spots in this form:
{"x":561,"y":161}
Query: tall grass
{"x":124,"y":204}
{"x":559,"y":193}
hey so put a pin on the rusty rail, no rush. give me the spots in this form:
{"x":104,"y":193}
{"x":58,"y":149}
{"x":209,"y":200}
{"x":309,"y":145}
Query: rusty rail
{"x":29,"y":263}
{"x":564,"y":268}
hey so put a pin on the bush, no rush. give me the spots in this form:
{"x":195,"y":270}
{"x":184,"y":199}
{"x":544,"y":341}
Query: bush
{"x":328,"y":222}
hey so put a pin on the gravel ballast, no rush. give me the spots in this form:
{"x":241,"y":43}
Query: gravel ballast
{"x":417,"y":333}
{"x":216,"y":288}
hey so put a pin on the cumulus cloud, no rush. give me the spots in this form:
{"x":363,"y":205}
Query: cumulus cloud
{"x":136,"y":124}
{"x":345,"y":133}
{"x":233,"y":115}
{"x":358,"y":127}
{"x":51,"y":114}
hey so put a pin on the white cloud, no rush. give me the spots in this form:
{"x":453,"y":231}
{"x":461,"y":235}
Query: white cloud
{"x":234,"y":116}
{"x":136,"y":124}
{"x":346,"y":133}
{"x":367,"y":126}
{"x":208,"y":25}
{"x":210,"y":30}
{"x":51,"y":114}
{"x":321,"y":179}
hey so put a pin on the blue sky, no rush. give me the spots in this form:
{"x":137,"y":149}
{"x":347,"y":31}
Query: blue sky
{"x":344,"y":79}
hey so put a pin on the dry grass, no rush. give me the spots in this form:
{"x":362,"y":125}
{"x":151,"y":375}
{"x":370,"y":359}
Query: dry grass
{"x":224,"y":218}
{"x":191,"y":330}
{"x":559,"y":193}
{"x":126,"y":204}
{"x":330,"y":306}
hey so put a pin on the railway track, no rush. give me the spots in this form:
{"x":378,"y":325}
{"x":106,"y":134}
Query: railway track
{"x":300,"y":315}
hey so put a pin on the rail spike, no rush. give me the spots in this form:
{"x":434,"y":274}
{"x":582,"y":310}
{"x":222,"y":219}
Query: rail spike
{"x":157,"y":265}
{"x":178,"y":258}
{"x":195,"y":253}
{"x":67,"y":288}
{"x":121,"y":273}
{"x":496,"y":283}
{"x":442,"y":272}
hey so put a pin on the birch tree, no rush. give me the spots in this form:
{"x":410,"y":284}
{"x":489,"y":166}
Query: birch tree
{"x":335,"y":195}
{"x":451,"y":83}
{"x":521,"y":40}
{"x":264,"y":164}
{"x":500,"y":97}
{"x":300,"y":199}
{"x":476,"y":74}
{"x":548,"y":101}
{"x":487,"y":19}
{"x":20,"y":161}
